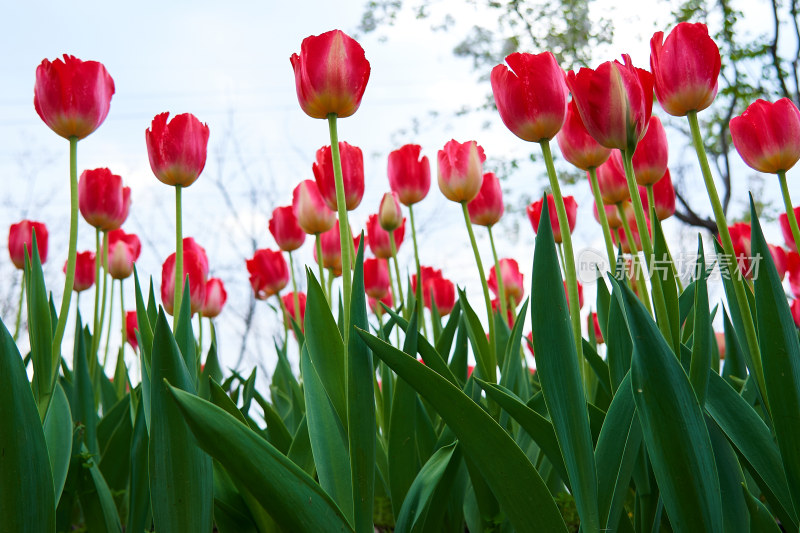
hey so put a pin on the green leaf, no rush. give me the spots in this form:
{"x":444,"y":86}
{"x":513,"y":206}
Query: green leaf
{"x":761,"y":520}
{"x":517,"y":485}
{"x":27,"y":503}
{"x":477,"y":336}
{"x":558,"y":372}
{"x":83,"y":408}
{"x":292,"y":498}
{"x":619,"y":348}
{"x":143,"y":322}
{"x":300,"y":451}
{"x":701,"y":344}
{"x":184,"y":336}
{"x":734,"y":360}
{"x":58,"y":435}
{"x":662,"y":272}
{"x":139,"y":491}
{"x":599,"y":367}
{"x":277,"y":432}
{"x":40,"y":331}
{"x":445,"y":341}
{"x":511,"y":375}
{"x":669,"y":412}
{"x":731,"y":477}
{"x":115,"y":457}
{"x":180,"y":472}
{"x":603,"y":305}
{"x":780,"y":357}
{"x":98,"y":506}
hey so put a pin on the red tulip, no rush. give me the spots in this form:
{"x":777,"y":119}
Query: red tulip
{"x":375,"y":305}
{"x":352,"y":175}
{"x":195,"y":267}
{"x":620,"y":237}
{"x":767,"y":136}
{"x":330,"y":242}
{"x":310,"y":209}
{"x":614,"y":101}
{"x":131,"y":327}
{"x":20,"y":237}
{"x":795,"y":308}
{"x":268,"y":273}
{"x":443,"y":293}
{"x":390,"y":215}
{"x":285,"y":229}
{"x":409,"y":175}
{"x":288,"y":304}
{"x":720,"y":338}
{"x":612,"y":214}
{"x":376,"y":278}
{"x":783,"y":220}
{"x":793,"y":269}
{"x":103,"y":201}
{"x":357,"y":242}
{"x":123,"y":251}
{"x":177,"y":149}
{"x":216,"y":296}
{"x":779,"y":257}
{"x":651,"y":155}
{"x":577,"y":146}
{"x":592,"y":321}
{"x":509,"y":313}
{"x":461,"y":170}
{"x":612,"y":181}
{"x":685,"y":68}
{"x":486,"y":209}
{"x":580,"y":294}
{"x":531,"y":95}
{"x":72,"y":96}
{"x":378,"y":238}
{"x":330,"y":74}
{"x":84,"y":271}
{"x":513,"y":282}
{"x":535,"y":213}
{"x":740,"y":236}
{"x":428,"y":274}
{"x":663,"y":196}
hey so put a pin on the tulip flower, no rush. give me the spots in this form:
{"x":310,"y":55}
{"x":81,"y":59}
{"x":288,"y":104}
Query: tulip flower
{"x":512,"y":279}
{"x":285,"y":229}
{"x":269,"y":273}
{"x":20,"y":237}
{"x":357,"y":242}
{"x":376,"y":278}
{"x":612,"y":214}
{"x":461,"y":170}
{"x":793,"y":270}
{"x":442,"y":294}
{"x":651,"y":155}
{"x":611,"y":180}
{"x":103,"y":201}
{"x":767,"y":135}
{"x":534,"y":211}
{"x":530,"y":95}
{"x":289,"y":304}
{"x":331,"y":74}
{"x":779,"y":258}
{"x":580,"y":294}
{"x":783,"y":221}
{"x":131,"y":327}
{"x":621,"y":237}
{"x":330,"y":243}
{"x":487,"y":208}
{"x":376,"y":307}
{"x":497,"y":308}
{"x":390,"y":216}
{"x":592,"y":321}
{"x":409,"y":175}
{"x":378,"y":238}
{"x":72,"y":96}
{"x":615,"y":102}
{"x":84,"y":271}
{"x":663,"y":197}
{"x":352,"y":174}
{"x":685,"y":68}
{"x":195,"y":267}
{"x":795,"y":308}
{"x":216,"y":296}
{"x":577,"y":146}
{"x":177,"y":149}
{"x":427,"y":274}
{"x":123,"y":251}
{"x":313,"y":215}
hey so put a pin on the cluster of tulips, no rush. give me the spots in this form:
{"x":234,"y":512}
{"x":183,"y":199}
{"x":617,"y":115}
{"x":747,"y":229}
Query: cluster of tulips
{"x":642,"y":434}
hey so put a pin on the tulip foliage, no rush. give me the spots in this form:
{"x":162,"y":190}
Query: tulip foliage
{"x":648,"y":421}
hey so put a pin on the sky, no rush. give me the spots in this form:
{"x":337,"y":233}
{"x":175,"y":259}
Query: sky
{"x":228,"y":63}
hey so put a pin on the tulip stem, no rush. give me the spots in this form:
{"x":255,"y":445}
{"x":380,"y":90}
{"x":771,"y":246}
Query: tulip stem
{"x":644,"y":295}
{"x":344,"y":226}
{"x":295,"y":297}
{"x":124,"y":329}
{"x":178,"y":279}
{"x":96,"y":347}
{"x":601,"y":214}
{"x":396,"y":267}
{"x":420,"y":306}
{"x":787,"y":202}
{"x":498,"y":273}
{"x":489,"y":315}
{"x":108,"y":330}
{"x":727,"y":246}
{"x":560,"y":248}
{"x":200,"y":335}
{"x":651,"y":203}
{"x":566,"y":239}
{"x":69,"y":282}
{"x":19,"y":308}
{"x":98,"y":259}
{"x":322,"y":285}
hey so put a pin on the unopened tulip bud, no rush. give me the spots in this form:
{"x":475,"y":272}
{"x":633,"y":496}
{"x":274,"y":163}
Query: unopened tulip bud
{"x":652,"y":154}
{"x":534,"y":211}
{"x":177,"y":149}
{"x":461,"y":170}
{"x":378,"y":238}
{"x":310,"y":209}
{"x":284,"y":228}
{"x":123,"y":251}
{"x":767,"y":135}
{"x":486,"y":209}
{"x":409,"y":175}
{"x":215,"y":298}
{"x":20,"y":239}
{"x":84,"y":271}
{"x":103,"y":201}
{"x":352,"y":161}
{"x":269,"y":273}
{"x":390,"y":215}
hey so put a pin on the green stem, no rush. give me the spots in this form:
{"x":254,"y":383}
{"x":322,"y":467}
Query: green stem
{"x":322,"y":285}
{"x":651,"y":202}
{"x":560,"y":249}
{"x":179,"y":279}
{"x":486,"y":297}
{"x":295,"y":296}
{"x":331,"y":277}
{"x":108,"y":330}
{"x":601,"y":214}
{"x":396,"y":267}
{"x":19,"y":308}
{"x":103,"y":298}
{"x":787,"y":202}
{"x":501,"y":292}
{"x":644,"y":295}
{"x":285,"y":313}
{"x":98,"y":259}
{"x":420,"y":306}
{"x":727,"y":246}
{"x":344,"y":226}
{"x":200,"y":333}
{"x":69,"y":283}
{"x":122,"y":311}
{"x":566,"y":239}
